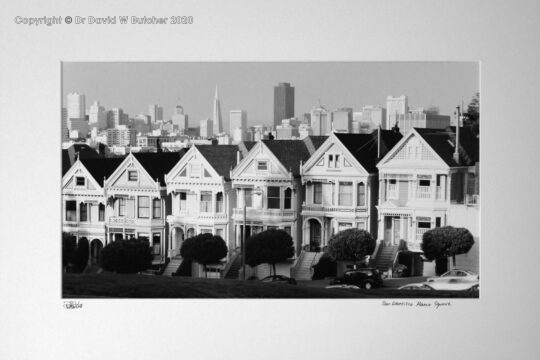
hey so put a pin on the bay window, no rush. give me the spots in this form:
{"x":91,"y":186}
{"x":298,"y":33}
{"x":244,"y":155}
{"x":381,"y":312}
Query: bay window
{"x":361,"y":201}
{"x":143,"y":210}
{"x":156,"y":208}
{"x":317,"y":193}
{"x":273,"y":197}
{"x":206,"y":201}
{"x":345,"y":194}
{"x":71,"y":210}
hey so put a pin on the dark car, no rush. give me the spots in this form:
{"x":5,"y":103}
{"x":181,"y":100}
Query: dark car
{"x":365,"y":278}
{"x":279,"y":279}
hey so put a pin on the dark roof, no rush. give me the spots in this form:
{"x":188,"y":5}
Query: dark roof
{"x":221,"y":157}
{"x":364,"y":147}
{"x":69,"y":155}
{"x":317,"y":140}
{"x":442,"y":141}
{"x":160,"y":163}
{"x":289,"y":153}
{"x":101,"y":167}
{"x":246,"y":146}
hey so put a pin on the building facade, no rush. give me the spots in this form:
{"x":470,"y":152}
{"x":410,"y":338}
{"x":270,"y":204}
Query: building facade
{"x":283,"y":102}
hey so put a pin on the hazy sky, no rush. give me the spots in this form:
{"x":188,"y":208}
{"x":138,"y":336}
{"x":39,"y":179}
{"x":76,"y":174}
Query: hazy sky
{"x":249,"y":85}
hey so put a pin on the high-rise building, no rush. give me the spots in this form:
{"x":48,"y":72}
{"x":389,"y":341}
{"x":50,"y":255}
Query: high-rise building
{"x":420,"y":118}
{"x":97,"y":115}
{"x":217,"y":114}
{"x":370,"y":119}
{"x":155,"y":112}
{"x":321,"y":121}
{"x":395,"y":105}
{"x":179,"y":118}
{"x":283,"y":102}
{"x":76,"y":106}
{"x":121,"y":136}
{"x":118,"y":117}
{"x":342,"y":120}
{"x":238,"y":125}
{"x":65,"y":130}
{"x":207,"y":128}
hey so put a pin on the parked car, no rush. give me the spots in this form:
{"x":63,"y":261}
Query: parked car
{"x":416,"y":286}
{"x":366,"y":278}
{"x":455,"y":285}
{"x":456,"y":274}
{"x":343,"y":286}
{"x":279,"y":279}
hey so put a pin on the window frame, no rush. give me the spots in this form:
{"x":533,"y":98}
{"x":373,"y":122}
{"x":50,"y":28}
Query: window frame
{"x":341,"y":194}
{"x":72,"y":212}
{"x":315,"y":192}
{"x":361,"y":194}
{"x":262,"y":162}
{"x":77,"y":178}
{"x":133,"y":175}
{"x":141,"y":207}
{"x":84,"y":206}
{"x":273,"y":198}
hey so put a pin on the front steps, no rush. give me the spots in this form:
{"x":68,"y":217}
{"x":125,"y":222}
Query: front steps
{"x":304,"y":266}
{"x":385,"y":257}
{"x":172,"y":266}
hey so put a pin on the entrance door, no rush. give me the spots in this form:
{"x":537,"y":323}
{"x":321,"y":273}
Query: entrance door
{"x":314,"y":235}
{"x":396,"y":230}
{"x":95,"y":251}
{"x":387,"y":230}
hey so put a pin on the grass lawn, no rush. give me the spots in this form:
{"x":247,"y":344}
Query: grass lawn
{"x":144,"y":286}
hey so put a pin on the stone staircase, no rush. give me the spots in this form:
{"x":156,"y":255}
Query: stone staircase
{"x":172,"y":266}
{"x":304,"y":267}
{"x":385,"y":257}
{"x":234,"y":269}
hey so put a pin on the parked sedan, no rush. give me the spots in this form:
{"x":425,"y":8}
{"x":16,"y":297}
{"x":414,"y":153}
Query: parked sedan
{"x":279,"y":279}
{"x":456,"y":275}
{"x":366,"y":278}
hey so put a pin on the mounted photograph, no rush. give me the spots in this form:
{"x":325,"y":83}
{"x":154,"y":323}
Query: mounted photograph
{"x":270,"y":180}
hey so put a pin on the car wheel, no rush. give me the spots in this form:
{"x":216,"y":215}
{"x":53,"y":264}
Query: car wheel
{"x":368,"y":285}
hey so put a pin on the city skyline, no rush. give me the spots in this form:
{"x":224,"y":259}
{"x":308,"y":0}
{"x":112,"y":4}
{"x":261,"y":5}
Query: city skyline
{"x":246,"y":86}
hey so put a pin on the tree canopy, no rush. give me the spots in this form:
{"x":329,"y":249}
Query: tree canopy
{"x":269,"y":247}
{"x":471,"y":117}
{"x":81,"y":256}
{"x":127,"y":256}
{"x":69,"y":245}
{"x":351,"y":245}
{"x":204,"y":249}
{"x":445,"y":242}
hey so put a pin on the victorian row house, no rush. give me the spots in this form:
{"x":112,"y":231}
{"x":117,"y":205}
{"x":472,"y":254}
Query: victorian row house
{"x":395,"y":187}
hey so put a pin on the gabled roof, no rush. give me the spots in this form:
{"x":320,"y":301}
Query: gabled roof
{"x":317,"y":141}
{"x":442,"y":141}
{"x":69,"y":155}
{"x":291,"y":152}
{"x":101,"y":167}
{"x":221,"y":157}
{"x":364,"y":147}
{"x":160,"y":163}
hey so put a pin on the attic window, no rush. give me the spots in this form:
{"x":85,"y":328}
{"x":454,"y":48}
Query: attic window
{"x":132,"y":175}
{"x":262,"y":165}
{"x":206,"y":173}
{"x":80,"y":181}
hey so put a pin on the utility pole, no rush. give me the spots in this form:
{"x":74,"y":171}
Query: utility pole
{"x":244,"y":244}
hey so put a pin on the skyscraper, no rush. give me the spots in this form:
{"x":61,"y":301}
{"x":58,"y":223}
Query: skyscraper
{"x":283,"y":102}
{"x":218,"y":128}
{"x":155,"y":112}
{"x":97,"y":115}
{"x":321,"y":121}
{"x":238,"y":120}
{"x":179,"y":118}
{"x":206,"y":129}
{"x":76,"y":106}
{"x":342,"y":120}
{"x":395,"y":106}
{"x":118,"y":117}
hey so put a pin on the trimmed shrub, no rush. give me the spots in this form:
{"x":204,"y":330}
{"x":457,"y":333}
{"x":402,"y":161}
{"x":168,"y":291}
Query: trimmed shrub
{"x":269,"y":247}
{"x":69,"y":246}
{"x":127,"y":256}
{"x":446,"y":242}
{"x":351,"y":245}
{"x":80,"y":260}
{"x":326,"y":267}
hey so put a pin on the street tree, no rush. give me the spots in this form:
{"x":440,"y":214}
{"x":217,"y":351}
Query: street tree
{"x":351,"y":245}
{"x":471,"y":117}
{"x":444,"y":242}
{"x":205,"y":249}
{"x":127,"y":256}
{"x":269,"y":247}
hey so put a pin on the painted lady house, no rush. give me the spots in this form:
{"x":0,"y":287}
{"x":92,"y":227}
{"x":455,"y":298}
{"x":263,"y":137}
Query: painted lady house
{"x":428,"y":181}
{"x":202,"y":198}
{"x":84,"y":210}
{"x":341,"y":190}
{"x":268,"y":185}
{"x":137,"y":200}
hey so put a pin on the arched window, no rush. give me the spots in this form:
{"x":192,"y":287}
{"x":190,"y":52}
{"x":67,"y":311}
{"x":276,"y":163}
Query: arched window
{"x":83,"y":212}
{"x":288,"y":198}
{"x":101,"y":212}
{"x":219,"y":202}
{"x":361,"y":194}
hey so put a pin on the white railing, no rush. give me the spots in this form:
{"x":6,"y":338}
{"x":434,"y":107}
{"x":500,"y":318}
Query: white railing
{"x":420,"y":234}
{"x":122,"y":220}
{"x":423,"y":192}
{"x":263,"y":212}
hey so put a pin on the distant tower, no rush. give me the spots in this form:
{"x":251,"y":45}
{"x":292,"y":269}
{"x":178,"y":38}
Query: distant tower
{"x":155,"y":112}
{"x":218,"y":128}
{"x":76,"y":106}
{"x":283,"y":102}
{"x":206,"y":129}
{"x":179,"y":118}
{"x":395,"y":106}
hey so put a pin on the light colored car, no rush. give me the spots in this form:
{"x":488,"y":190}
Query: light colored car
{"x":416,"y":286}
{"x":454,"y":275}
{"x":456,"y":285}
{"x":343,"y":286}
